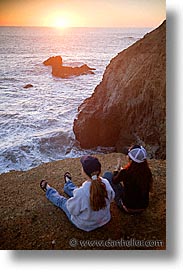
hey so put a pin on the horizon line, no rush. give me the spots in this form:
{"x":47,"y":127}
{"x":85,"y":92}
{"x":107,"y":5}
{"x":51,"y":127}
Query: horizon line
{"x":70,"y":27}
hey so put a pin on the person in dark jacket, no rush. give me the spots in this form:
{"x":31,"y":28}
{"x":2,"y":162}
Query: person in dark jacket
{"x":132,"y":183}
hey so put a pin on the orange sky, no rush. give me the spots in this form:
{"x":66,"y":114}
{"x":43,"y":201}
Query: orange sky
{"x":82,"y":13}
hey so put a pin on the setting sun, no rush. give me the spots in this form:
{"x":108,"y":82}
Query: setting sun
{"x":88,"y":13}
{"x":61,"y":22}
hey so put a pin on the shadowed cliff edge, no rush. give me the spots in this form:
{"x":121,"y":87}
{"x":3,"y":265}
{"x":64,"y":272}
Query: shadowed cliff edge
{"x":129,"y":105}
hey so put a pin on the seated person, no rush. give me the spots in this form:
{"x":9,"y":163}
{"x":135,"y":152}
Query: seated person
{"x":132,"y":183}
{"x":89,"y":205}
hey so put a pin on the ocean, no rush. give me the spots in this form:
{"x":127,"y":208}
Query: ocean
{"x":36,"y":124}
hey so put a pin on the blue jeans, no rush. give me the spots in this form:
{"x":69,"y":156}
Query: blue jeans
{"x":58,"y":200}
{"x":118,"y":189}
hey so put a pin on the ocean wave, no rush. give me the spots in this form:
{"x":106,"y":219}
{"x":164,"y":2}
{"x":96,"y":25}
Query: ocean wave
{"x":44,"y":149}
{"x":39,"y":150}
{"x":2,"y":79}
{"x":7,"y":116}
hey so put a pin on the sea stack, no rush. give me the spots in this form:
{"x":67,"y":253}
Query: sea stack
{"x":58,"y":70}
{"x":129,"y":105}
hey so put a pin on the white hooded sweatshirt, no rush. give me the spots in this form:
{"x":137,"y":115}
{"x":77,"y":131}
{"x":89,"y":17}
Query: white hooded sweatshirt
{"x":81,"y":213}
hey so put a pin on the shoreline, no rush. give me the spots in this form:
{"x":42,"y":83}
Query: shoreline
{"x":29,"y":221}
{"x":100,"y":151}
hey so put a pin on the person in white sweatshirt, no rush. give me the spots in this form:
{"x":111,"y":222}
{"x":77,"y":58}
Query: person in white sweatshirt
{"x":89,"y":205}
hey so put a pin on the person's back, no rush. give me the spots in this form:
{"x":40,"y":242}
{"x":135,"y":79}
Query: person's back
{"x":82,"y":215}
{"x":136,"y":180}
{"x":89,"y":205}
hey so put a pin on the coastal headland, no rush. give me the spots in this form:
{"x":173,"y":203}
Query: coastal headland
{"x":129,"y":105}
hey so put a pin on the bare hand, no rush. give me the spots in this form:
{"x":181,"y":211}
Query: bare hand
{"x":119,"y":163}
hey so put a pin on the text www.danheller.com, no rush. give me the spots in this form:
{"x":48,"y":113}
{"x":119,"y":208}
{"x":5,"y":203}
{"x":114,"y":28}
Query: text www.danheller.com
{"x":115,"y":243}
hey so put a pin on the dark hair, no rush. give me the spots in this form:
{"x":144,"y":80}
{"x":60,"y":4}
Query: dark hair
{"x":90,"y":164}
{"x":98,"y":193}
{"x":141,"y":173}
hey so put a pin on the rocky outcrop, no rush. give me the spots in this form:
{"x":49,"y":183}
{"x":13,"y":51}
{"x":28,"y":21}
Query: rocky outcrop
{"x":53,"y":61}
{"x":28,"y":86}
{"x":129,"y":105}
{"x":59,"y":70}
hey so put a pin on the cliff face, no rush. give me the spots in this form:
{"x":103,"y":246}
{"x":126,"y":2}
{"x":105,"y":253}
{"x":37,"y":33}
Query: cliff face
{"x":129,"y":105}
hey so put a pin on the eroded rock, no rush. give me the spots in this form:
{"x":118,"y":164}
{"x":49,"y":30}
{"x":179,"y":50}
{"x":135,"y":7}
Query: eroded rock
{"x":59,"y":70}
{"x":129,"y":105}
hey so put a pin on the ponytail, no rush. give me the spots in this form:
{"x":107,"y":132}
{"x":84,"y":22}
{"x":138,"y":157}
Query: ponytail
{"x":98,"y":192}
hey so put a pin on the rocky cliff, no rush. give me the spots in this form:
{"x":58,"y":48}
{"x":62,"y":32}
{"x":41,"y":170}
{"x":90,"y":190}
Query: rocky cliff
{"x":129,"y":105}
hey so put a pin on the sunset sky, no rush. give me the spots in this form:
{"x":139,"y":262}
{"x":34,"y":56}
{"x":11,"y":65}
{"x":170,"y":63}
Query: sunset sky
{"x":82,"y":13}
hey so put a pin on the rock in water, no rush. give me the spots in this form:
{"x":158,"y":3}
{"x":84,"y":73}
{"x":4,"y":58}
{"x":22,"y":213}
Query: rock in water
{"x":28,"y":86}
{"x":59,"y":70}
{"x":53,"y":61}
{"x":129,"y":105}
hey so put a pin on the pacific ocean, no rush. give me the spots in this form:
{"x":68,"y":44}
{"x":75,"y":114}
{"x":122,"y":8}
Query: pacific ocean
{"x":36,"y":123}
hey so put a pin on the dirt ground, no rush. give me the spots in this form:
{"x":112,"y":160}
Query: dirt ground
{"x":28,"y":221}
